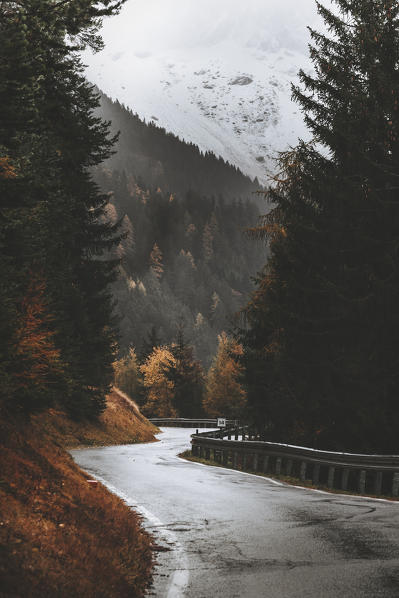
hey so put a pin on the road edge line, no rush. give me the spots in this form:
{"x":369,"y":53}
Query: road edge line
{"x":286,"y":485}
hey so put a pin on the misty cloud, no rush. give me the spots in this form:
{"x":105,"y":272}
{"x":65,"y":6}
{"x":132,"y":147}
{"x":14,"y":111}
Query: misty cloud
{"x":162,"y":25}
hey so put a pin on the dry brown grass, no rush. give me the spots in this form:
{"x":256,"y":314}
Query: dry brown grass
{"x":121,"y":423}
{"x":59,"y":535}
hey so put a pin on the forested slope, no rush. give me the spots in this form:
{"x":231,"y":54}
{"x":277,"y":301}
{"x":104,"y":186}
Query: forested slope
{"x":161,"y":159}
{"x":186,"y":259}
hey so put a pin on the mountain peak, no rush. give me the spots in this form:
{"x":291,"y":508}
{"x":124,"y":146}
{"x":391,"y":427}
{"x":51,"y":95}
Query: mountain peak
{"x":215,"y":74}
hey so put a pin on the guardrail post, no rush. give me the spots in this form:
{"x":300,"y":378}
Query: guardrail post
{"x":236,"y":434}
{"x":256,"y":459}
{"x":256,"y":462}
{"x":378,"y":482}
{"x":362,"y":481}
{"x":330,"y":480}
{"x":344,"y":479}
{"x":316,"y":473}
{"x":395,"y":484}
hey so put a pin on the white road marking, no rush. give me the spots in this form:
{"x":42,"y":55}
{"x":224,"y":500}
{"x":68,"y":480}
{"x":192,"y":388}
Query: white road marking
{"x":180,"y":578}
{"x":254,"y":475}
{"x":266,"y":479}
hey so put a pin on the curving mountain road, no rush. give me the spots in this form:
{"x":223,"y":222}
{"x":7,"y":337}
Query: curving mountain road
{"x":233,"y":534}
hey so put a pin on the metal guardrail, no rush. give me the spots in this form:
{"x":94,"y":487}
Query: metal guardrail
{"x":183,"y":422}
{"x":372,"y":474}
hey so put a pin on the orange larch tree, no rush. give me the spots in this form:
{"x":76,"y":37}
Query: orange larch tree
{"x":224,"y":394}
{"x":157,"y":380}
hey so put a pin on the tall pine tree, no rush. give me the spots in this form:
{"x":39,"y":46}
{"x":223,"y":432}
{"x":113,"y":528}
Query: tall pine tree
{"x":225,"y":396}
{"x":188,"y":378}
{"x":52,"y":214}
{"x":322,"y":336}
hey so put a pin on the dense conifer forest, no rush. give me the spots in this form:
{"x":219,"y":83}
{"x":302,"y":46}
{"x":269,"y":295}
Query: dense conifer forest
{"x":57,"y":337}
{"x":186,"y":259}
{"x":160,"y":159}
{"x":57,"y":334}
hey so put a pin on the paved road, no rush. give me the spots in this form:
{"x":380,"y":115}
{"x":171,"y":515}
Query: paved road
{"x":233,"y":534}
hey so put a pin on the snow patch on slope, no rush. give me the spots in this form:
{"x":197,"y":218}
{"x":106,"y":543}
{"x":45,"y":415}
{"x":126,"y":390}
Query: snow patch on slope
{"x":214,"y":73}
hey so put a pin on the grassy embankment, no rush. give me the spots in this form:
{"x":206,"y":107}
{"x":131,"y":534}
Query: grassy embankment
{"x":59,"y":535}
{"x":282,"y":478}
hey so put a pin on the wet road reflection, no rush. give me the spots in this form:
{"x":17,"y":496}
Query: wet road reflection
{"x":230,"y":533}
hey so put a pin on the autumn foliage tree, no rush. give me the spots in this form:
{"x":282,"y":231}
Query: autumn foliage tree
{"x":170,"y":379}
{"x":225,"y":395}
{"x":128,"y":376}
{"x":38,"y":367}
{"x":159,"y":386}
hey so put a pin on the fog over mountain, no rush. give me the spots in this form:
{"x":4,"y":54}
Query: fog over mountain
{"x":216,"y":73}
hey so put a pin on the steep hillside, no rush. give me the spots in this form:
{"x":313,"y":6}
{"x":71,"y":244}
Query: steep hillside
{"x":60,"y":536}
{"x":161,"y":159}
{"x":121,"y":423}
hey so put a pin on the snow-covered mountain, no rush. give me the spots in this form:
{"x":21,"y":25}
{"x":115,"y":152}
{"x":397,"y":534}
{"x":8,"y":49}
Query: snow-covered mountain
{"x":214,"y":72}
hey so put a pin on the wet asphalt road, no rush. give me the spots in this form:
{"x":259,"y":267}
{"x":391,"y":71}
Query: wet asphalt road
{"x":233,"y":534}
